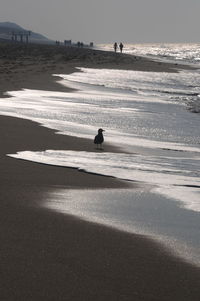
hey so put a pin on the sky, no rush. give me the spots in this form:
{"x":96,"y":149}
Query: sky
{"x":107,"y":21}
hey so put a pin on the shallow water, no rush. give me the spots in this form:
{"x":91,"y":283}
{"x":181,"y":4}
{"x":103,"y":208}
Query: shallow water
{"x":183,"y":53}
{"x":141,"y":210}
{"x":176,"y":177}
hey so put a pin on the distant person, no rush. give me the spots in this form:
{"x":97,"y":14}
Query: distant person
{"x":98,"y":139}
{"x":121,"y":46}
{"x":115,"y":47}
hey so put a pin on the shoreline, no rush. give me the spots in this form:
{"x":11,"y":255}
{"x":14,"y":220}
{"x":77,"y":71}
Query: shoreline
{"x":32,"y":66}
{"x":51,"y":256}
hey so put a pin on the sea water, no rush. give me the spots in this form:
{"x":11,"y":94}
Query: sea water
{"x":154,"y":118}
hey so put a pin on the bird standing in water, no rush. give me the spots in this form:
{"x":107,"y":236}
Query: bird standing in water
{"x":99,"y":139}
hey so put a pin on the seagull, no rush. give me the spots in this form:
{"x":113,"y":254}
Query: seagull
{"x":98,"y":139}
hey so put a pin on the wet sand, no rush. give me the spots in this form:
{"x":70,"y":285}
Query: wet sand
{"x":45,"y":255}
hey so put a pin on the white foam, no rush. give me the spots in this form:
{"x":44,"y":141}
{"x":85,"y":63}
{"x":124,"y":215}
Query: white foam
{"x":163,"y":172}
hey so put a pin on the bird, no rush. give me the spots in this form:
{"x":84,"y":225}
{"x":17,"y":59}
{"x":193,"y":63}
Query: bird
{"x":98,"y":139}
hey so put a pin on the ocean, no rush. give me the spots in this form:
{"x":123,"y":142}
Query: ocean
{"x":155,"y":119}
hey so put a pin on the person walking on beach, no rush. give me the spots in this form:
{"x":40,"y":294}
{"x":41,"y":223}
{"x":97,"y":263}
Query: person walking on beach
{"x":115,"y":47}
{"x":121,"y":46}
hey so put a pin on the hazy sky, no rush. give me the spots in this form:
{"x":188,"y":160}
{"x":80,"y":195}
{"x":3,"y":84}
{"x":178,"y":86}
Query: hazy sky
{"x":106,"y":21}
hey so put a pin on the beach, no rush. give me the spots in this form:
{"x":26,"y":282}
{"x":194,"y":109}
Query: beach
{"x":51,"y":256}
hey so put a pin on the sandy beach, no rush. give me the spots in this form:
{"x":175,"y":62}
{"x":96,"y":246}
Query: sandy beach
{"x":50,"y":256}
{"x":32,"y":66}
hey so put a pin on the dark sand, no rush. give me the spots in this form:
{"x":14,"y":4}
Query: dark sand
{"x":49,"y":256}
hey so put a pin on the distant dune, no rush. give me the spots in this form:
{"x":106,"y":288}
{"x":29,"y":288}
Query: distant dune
{"x":7,"y":28}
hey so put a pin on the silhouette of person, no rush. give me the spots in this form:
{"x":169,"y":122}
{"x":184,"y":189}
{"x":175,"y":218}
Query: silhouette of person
{"x":121,"y":46}
{"x":115,"y":46}
{"x":98,"y":139}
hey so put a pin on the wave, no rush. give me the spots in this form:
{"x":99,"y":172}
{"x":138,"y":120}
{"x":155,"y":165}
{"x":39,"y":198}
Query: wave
{"x":159,"y":171}
{"x":176,"y":89}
